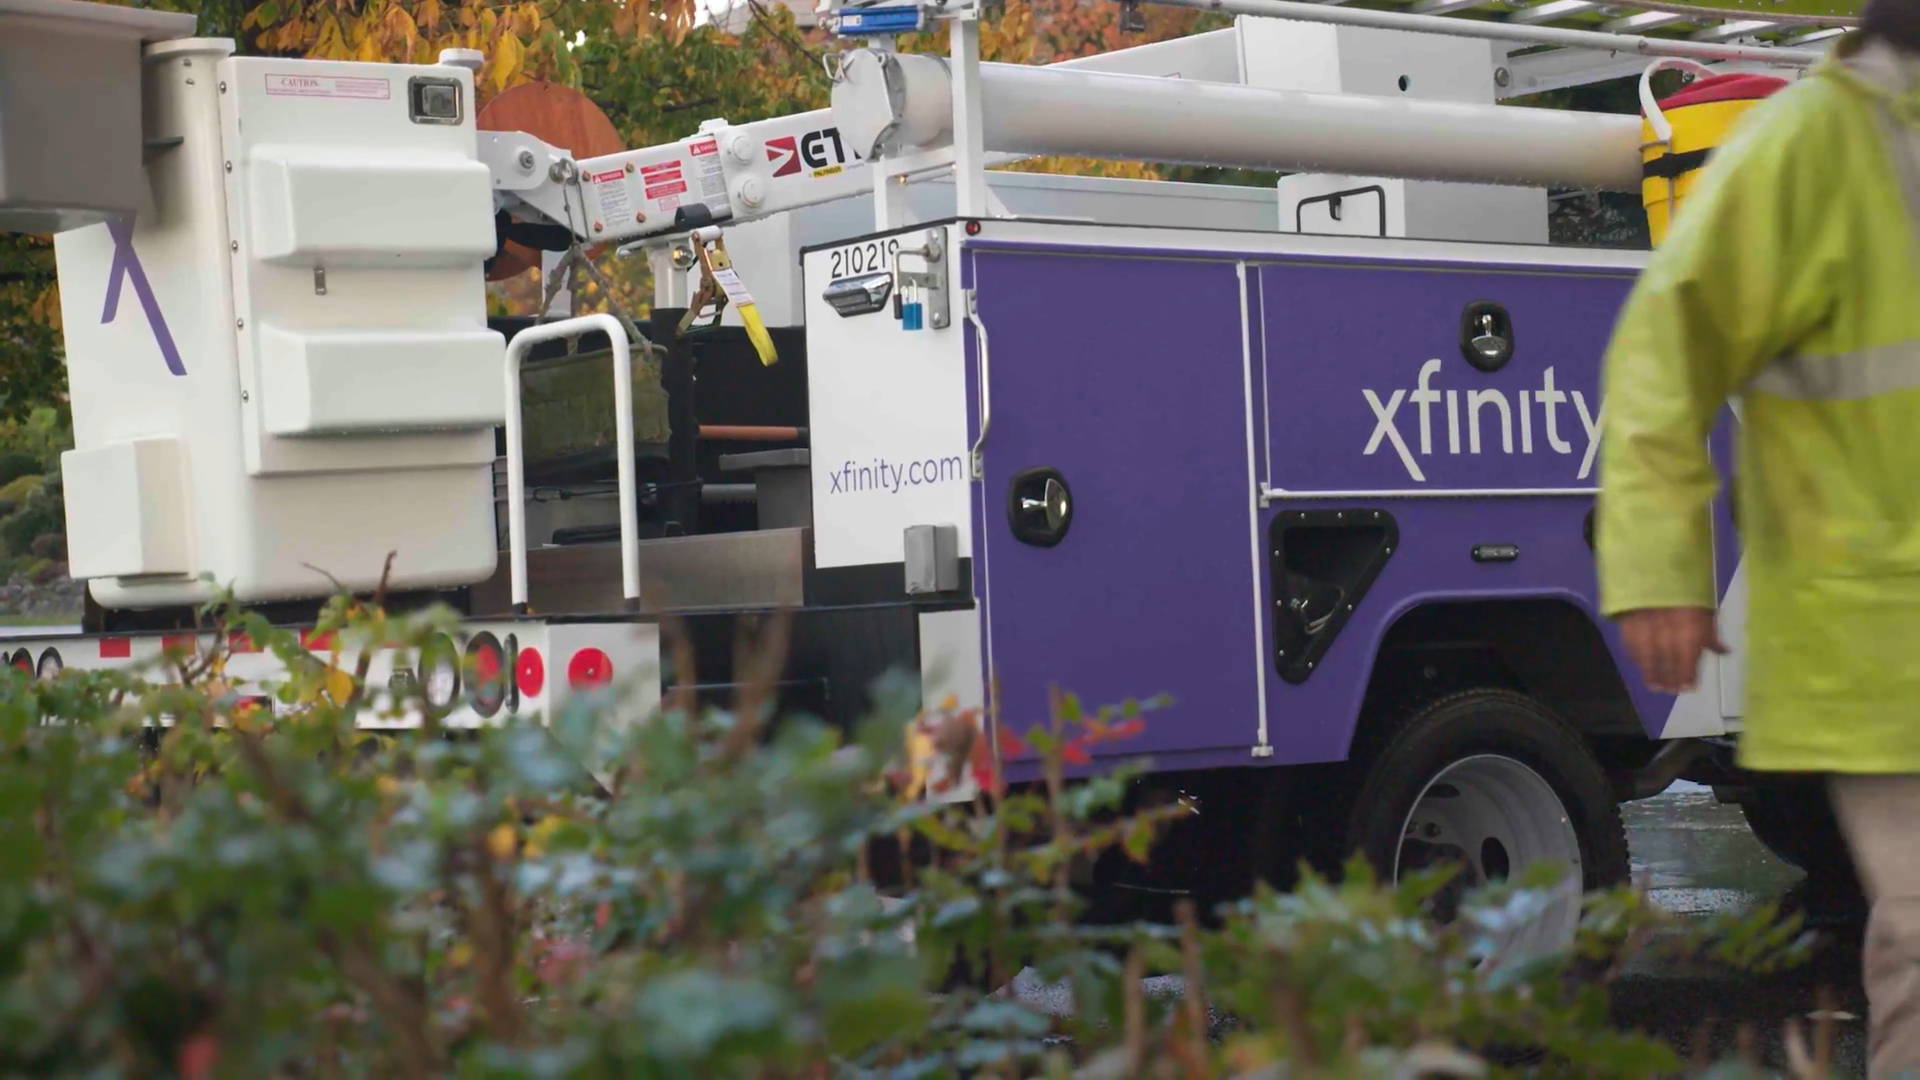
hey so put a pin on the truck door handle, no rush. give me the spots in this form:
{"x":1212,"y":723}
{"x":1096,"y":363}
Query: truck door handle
{"x":1039,"y":507}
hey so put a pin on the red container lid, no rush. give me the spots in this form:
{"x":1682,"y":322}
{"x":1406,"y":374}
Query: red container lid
{"x":1723,"y":88}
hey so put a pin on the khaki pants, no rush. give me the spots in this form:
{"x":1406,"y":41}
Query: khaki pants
{"x":1880,"y":816}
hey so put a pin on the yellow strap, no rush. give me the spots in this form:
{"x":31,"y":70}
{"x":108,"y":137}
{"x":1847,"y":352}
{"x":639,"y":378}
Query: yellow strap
{"x":720,"y":270}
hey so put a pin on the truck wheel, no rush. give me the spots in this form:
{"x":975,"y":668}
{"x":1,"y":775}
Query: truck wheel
{"x":1493,"y":782}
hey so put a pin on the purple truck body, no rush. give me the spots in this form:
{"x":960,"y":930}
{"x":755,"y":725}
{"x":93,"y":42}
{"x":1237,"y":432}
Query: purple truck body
{"x":1171,"y":387}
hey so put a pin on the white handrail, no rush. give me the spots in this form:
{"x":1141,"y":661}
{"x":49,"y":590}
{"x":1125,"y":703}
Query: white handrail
{"x":623,"y":438}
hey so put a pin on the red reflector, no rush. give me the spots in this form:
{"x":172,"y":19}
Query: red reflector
{"x":180,"y":643}
{"x":116,"y":648}
{"x":486,"y":666}
{"x":530,"y":672}
{"x":310,"y":639}
{"x":22,"y":661}
{"x":589,"y":667}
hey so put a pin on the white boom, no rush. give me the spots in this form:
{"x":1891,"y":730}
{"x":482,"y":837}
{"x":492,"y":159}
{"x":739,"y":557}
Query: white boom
{"x":1183,"y":101}
{"x":887,"y":102}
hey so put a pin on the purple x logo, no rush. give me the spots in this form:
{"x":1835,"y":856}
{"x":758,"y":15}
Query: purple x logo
{"x":126,"y":267}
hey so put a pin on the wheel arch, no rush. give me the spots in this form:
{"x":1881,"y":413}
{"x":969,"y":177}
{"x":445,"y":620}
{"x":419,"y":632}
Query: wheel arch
{"x":1548,"y":646}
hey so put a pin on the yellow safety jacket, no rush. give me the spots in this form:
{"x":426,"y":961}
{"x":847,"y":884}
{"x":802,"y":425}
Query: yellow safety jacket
{"x":1790,"y":284}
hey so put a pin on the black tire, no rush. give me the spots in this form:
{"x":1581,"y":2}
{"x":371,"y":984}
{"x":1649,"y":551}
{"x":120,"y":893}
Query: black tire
{"x":1496,"y":722}
{"x":1792,"y":817}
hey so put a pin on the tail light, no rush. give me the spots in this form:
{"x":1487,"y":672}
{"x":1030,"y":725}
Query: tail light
{"x":487,"y":689}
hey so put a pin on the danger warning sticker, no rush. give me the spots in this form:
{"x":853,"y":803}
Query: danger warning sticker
{"x":663,"y":180}
{"x":322,"y":86}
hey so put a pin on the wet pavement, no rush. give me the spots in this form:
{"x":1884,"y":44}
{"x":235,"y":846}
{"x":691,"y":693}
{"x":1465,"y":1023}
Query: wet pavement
{"x":1696,"y":857}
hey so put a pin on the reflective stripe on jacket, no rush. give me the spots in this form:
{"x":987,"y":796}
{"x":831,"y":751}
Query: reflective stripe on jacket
{"x":1790,"y":283}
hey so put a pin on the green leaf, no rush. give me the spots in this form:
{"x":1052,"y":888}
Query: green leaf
{"x":686,"y":1016}
{"x":867,"y":999}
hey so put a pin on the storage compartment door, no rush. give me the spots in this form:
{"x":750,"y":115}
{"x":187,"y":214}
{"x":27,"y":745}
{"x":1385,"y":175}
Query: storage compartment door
{"x":1119,"y":409}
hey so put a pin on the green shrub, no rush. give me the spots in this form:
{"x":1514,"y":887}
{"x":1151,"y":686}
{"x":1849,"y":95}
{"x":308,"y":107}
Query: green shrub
{"x":43,"y":512}
{"x":685,"y":894}
{"x":30,"y":501}
{"x":15,"y":464}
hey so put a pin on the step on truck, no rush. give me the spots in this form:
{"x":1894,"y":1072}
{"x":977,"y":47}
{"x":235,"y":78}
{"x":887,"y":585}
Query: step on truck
{"x":1315,"y":461}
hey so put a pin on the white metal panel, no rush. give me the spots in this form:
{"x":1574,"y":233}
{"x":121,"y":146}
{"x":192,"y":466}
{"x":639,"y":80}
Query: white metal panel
{"x":333,"y":207}
{"x":158,"y":361}
{"x":632,"y":650}
{"x":142,"y":485}
{"x":1481,"y":212}
{"x":953,"y":681}
{"x":887,"y":415}
{"x":350,"y":382}
{"x":952,"y":675}
{"x":1281,"y":54}
{"x":1732,"y":674}
{"x":1210,"y":57}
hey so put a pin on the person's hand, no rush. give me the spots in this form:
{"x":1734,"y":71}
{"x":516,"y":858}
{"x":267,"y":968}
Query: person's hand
{"x":1667,"y":643}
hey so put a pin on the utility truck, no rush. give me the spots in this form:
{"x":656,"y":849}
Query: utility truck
{"x":1316,"y":462}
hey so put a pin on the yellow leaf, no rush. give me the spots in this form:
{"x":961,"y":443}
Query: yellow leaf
{"x":919,"y":750}
{"x":339,"y":685}
{"x":542,"y":833}
{"x":428,"y":14}
{"x":506,"y":61}
{"x":401,"y":27}
{"x":460,"y":955}
{"x":387,"y":786}
{"x":501,"y":841}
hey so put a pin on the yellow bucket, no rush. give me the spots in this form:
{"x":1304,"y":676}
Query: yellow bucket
{"x":1678,"y":134}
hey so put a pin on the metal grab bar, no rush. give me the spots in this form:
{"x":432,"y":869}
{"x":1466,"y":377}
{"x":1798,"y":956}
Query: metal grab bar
{"x":623,"y":428}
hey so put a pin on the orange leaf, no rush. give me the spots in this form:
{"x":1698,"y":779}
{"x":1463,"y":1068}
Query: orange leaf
{"x":196,"y":1057}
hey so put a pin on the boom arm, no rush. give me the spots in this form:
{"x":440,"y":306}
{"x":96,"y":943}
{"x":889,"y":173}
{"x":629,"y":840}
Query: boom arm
{"x":731,"y":173}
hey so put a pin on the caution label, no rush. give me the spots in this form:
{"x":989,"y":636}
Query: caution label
{"x":610,"y":195}
{"x":709,"y":175}
{"x":736,"y":290}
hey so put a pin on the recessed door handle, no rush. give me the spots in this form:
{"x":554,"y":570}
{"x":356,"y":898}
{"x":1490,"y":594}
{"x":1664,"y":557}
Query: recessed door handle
{"x":1039,"y":507}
